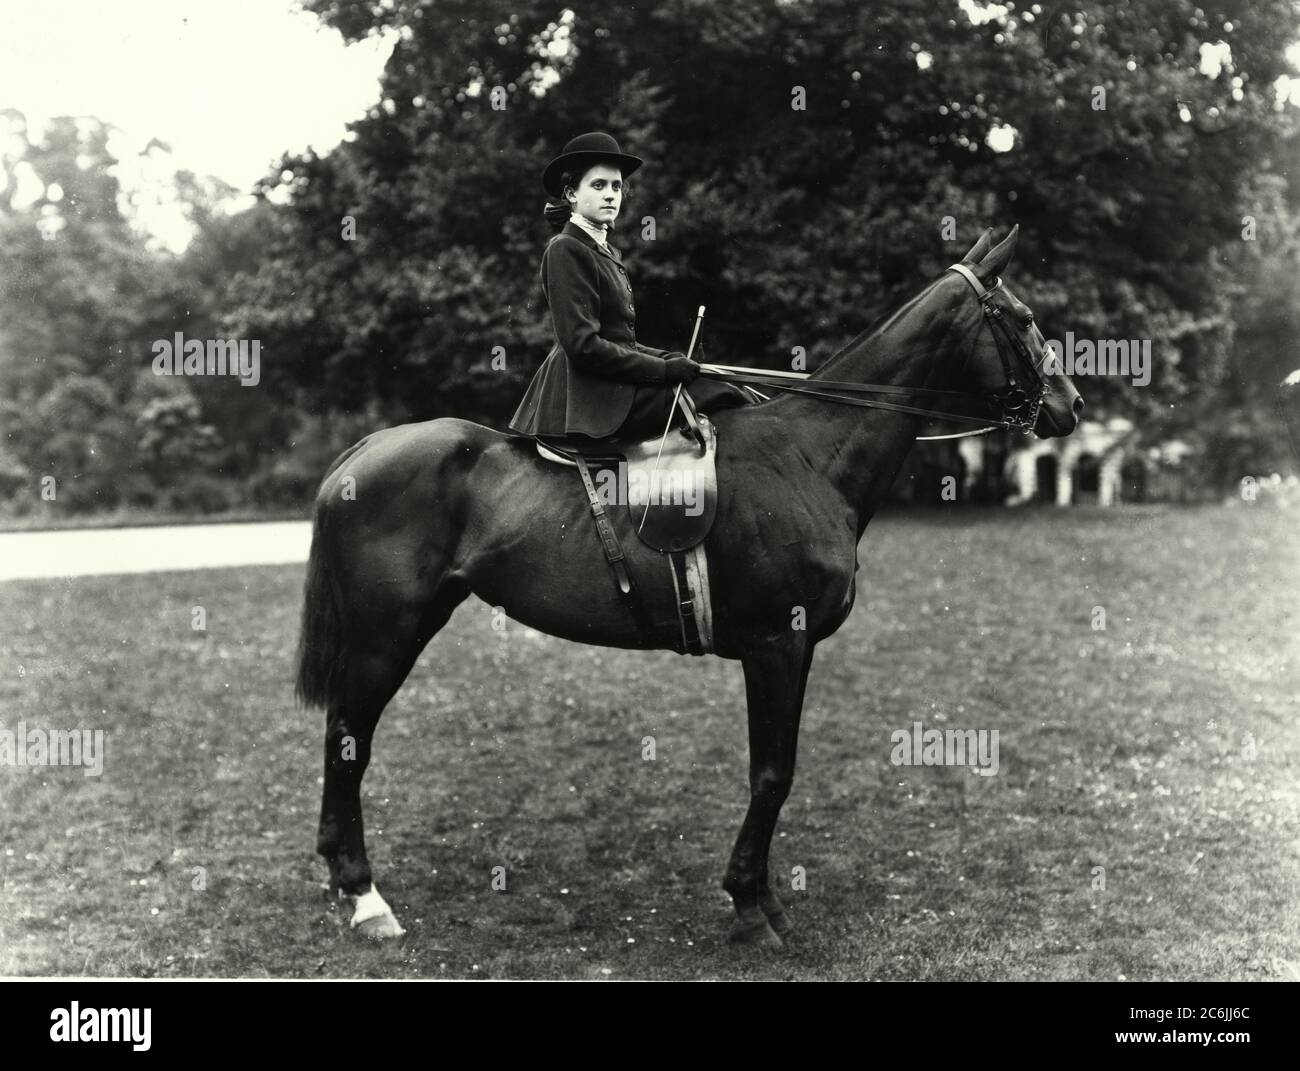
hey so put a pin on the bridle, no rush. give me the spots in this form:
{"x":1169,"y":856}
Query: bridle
{"x":1017,"y":405}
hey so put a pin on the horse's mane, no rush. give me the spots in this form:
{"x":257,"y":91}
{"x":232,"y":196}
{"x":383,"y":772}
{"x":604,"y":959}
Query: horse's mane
{"x":878,"y":326}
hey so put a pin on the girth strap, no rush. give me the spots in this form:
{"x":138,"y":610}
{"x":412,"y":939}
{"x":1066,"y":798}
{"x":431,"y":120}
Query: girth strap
{"x":692,"y":642}
{"x":613,"y":549}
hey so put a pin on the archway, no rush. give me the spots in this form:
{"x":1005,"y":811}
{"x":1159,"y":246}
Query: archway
{"x":1087,"y":480}
{"x":1133,"y":479}
{"x":1045,"y":472}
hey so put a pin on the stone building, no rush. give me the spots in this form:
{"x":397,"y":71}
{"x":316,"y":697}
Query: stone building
{"x":1099,"y":464}
{"x":1102,"y":463}
{"x":1081,"y":469}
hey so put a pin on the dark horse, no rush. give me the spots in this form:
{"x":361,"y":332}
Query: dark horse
{"x":413,"y":519}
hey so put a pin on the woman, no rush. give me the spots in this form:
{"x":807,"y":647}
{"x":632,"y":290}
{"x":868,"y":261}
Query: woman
{"x":598,"y":381}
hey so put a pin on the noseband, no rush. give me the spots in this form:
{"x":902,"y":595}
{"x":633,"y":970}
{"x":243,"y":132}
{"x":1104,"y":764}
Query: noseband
{"x":1017,"y":405}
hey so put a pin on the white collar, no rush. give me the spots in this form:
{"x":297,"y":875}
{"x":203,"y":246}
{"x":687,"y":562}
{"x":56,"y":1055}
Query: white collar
{"x":598,"y":233}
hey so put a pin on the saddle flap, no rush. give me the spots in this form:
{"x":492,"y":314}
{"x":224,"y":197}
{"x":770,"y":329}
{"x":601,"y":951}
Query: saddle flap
{"x":672,"y":497}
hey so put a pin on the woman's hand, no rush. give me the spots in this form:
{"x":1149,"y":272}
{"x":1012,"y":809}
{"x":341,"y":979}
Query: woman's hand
{"x":680,"y":369}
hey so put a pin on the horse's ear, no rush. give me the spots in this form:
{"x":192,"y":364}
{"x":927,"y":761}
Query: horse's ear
{"x":981,"y":247}
{"x":995,"y":262}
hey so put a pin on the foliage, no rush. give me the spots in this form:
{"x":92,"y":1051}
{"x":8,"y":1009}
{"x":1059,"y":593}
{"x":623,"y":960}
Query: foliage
{"x":83,"y":294}
{"x":172,"y":437}
{"x":1157,"y":195}
{"x":795,"y":227}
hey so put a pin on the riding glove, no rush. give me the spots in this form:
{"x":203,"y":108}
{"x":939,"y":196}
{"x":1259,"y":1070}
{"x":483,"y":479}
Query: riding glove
{"x":680,"y":369}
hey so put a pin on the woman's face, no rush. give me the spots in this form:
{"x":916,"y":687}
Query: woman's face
{"x":599,"y":195}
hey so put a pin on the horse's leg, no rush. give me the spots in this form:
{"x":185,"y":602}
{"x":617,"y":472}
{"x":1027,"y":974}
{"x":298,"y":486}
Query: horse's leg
{"x":382,"y":649}
{"x":774,"y":683}
{"x":770,"y":903}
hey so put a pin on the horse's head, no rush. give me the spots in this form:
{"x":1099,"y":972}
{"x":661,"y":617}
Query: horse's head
{"x":1009,"y":351}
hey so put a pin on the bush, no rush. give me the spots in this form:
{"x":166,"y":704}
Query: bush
{"x":285,"y":486}
{"x":201,"y":493}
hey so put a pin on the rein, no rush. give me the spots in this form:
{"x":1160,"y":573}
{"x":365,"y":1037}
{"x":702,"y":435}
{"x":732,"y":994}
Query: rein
{"x":1019,"y":410}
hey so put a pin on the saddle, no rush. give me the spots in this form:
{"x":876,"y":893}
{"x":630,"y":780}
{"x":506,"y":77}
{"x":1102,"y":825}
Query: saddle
{"x":670,"y":497}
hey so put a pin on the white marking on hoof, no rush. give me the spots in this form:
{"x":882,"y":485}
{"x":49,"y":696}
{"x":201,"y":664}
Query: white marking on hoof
{"x":371,"y":908}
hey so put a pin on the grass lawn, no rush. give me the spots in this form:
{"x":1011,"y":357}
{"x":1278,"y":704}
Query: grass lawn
{"x":1164,"y":749}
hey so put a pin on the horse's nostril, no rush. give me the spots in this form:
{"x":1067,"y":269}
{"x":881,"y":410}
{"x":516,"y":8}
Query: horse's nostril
{"x":1078,"y":406}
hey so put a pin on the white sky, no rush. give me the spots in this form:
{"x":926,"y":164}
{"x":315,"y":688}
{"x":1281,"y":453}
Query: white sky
{"x":228,"y":84}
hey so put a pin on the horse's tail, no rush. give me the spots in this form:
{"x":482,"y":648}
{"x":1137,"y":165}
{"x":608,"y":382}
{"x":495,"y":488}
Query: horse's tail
{"x":322,"y":642}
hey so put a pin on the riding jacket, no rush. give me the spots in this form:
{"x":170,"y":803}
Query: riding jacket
{"x":588,"y":380}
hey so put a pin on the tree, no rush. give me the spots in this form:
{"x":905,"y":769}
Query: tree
{"x":804,"y":157}
{"x":83,"y":295}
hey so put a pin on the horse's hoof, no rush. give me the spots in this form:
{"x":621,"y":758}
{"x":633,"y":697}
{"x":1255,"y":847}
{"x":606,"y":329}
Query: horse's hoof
{"x":754,"y":933}
{"x":379,"y":928}
{"x":777,"y":917}
{"x":374,"y":918}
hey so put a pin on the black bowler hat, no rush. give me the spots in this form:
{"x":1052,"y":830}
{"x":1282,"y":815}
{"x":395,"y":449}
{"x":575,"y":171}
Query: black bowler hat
{"x":582,"y":152}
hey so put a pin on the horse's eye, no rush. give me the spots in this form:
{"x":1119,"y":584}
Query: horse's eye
{"x":1029,"y":320}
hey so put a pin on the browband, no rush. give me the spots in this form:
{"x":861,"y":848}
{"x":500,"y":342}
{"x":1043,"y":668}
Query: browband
{"x":973,"y":279}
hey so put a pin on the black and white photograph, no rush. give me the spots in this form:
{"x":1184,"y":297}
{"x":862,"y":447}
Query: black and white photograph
{"x":772,"y":490}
